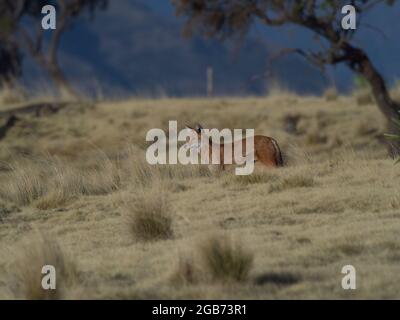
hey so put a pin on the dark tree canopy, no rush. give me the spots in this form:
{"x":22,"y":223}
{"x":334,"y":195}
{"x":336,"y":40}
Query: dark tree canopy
{"x":10,"y":62}
{"x":226,"y":18}
{"x":21,"y":31}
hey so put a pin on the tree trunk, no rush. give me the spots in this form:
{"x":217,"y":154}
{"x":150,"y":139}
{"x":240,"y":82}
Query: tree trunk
{"x":51,"y":67}
{"x":360,"y":63}
{"x":64,"y":88}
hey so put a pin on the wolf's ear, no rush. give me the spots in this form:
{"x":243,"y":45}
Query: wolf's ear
{"x":198,"y":128}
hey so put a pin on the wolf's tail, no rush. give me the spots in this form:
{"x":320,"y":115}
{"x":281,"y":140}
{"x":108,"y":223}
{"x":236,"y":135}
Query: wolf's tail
{"x":278,"y":153}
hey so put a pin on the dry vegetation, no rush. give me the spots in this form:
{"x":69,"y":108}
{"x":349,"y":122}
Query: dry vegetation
{"x":32,"y":257}
{"x":131,"y":230}
{"x":149,"y":215}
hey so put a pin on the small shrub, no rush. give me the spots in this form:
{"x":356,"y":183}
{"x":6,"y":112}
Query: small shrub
{"x":150,"y":217}
{"x":361,"y":83}
{"x":331,"y":94}
{"x":364,"y":97}
{"x":225,"y":261}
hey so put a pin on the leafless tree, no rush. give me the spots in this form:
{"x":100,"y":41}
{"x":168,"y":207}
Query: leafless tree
{"x":27,"y":33}
{"x":225,"y":18}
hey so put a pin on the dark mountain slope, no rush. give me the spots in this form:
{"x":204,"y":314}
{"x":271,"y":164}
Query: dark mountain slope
{"x":133,"y":48}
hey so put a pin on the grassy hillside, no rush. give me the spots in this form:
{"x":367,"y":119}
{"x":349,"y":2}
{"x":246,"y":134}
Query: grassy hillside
{"x":76,"y":192}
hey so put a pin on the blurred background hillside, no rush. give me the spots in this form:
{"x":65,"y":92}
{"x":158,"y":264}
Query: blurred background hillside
{"x":135,"y":47}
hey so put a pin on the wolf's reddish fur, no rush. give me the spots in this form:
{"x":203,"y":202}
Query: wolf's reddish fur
{"x":266,"y":149}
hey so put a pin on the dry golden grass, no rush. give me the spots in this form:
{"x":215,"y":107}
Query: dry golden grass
{"x":49,"y":183}
{"x":187,"y":273}
{"x":331,"y":94}
{"x":10,"y":96}
{"x":364,"y":97}
{"x":23,"y":185}
{"x":52,"y":199}
{"x":32,"y":258}
{"x":294,"y":181}
{"x":256,"y":177}
{"x":80,"y":174}
{"x":142,"y":174}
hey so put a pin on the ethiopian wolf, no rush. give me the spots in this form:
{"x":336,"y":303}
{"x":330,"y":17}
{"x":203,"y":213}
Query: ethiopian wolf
{"x":262,"y":149}
{"x":207,"y":143}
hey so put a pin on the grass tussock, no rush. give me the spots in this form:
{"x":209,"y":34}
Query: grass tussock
{"x":224,"y":260}
{"x":103,"y":178}
{"x":216,"y":259}
{"x":23,"y":185}
{"x":50,"y":183}
{"x":150,"y":216}
{"x":141,"y":174}
{"x":51,"y":200}
{"x":29,"y":275}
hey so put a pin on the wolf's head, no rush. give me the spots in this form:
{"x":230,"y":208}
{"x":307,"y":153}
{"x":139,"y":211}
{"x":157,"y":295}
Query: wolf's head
{"x":194,"y":140}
